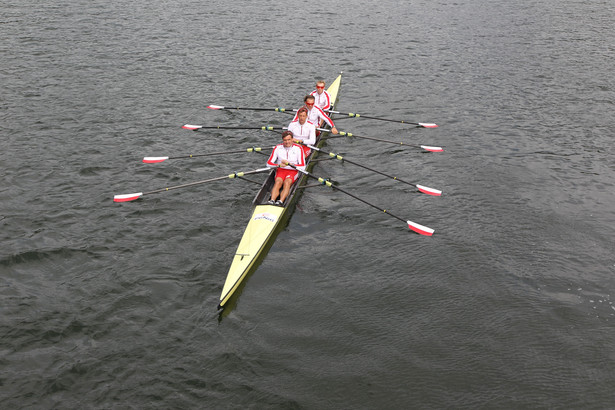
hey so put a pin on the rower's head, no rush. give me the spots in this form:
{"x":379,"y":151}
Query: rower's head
{"x":320,"y":86}
{"x":287,"y":138}
{"x":309,"y":101}
{"x":302,"y":114}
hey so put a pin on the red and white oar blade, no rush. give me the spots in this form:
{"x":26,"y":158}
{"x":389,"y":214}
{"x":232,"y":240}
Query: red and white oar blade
{"x":432,"y":149}
{"x":192,"y":127}
{"x":420,"y":229}
{"x":153,"y":160}
{"x":429,"y":191}
{"x":428,"y":125}
{"x":127,"y":197}
{"x":215,"y":107}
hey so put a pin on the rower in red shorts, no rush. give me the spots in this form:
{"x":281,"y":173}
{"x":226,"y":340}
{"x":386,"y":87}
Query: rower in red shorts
{"x":283,"y":155}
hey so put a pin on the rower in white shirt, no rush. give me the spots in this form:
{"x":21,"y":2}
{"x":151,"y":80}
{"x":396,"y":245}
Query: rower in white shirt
{"x":322,"y":99}
{"x":304,"y":132}
{"x":287,"y":157}
{"x":316,"y":115}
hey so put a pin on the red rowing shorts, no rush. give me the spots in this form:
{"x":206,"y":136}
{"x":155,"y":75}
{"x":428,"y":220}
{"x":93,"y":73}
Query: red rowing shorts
{"x":286,"y":173}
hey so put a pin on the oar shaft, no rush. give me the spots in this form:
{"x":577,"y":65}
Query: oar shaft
{"x":349,"y":134}
{"x":277,"y":109}
{"x":132,"y":197}
{"x":367,"y":203}
{"x":219,"y":127}
{"x":154,"y":160}
{"x":189,"y":184}
{"x":251,"y":149}
{"x":355,"y":115}
{"x":233,"y":175}
{"x":330,"y":184}
{"x":421,"y":188}
{"x":344,"y":159}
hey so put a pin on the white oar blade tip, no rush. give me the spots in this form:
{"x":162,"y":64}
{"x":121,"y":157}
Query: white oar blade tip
{"x":215,"y":107}
{"x":153,"y":160}
{"x":192,"y":127}
{"x":127,"y":197}
{"x":420,"y":229}
{"x":429,"y":191}
{"x":432,"y":149}
{"x":428,"y":125}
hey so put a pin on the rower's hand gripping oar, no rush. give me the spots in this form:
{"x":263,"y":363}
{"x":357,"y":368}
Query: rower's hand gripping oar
{"x":132,"y":197}
{"x":413,"y":226}
{"x":355,"y":115}
{"x":153,"y":160}
{"x":349,"y":134}
{"x":421,"y":188}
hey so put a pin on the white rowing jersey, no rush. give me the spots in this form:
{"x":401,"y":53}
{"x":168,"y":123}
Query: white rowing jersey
{"x":322,"y":100}
{"x":305,"y":132}
{"x":293,"y":154}
{"x":316,"y":114}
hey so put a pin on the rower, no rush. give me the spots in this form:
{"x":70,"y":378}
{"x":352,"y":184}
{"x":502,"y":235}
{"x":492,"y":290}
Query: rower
{"x":322,"y":99}
{"x":287,"y":157}
{"x":304,"y":132}
{"x":316,"y":115}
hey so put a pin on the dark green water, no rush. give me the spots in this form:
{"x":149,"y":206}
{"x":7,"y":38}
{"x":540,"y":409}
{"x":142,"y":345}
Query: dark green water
{"x":109,"y":305}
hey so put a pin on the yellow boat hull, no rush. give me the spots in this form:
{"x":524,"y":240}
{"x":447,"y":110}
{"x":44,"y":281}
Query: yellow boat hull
{"x":262,"y":225}
{"x":261,"y":230}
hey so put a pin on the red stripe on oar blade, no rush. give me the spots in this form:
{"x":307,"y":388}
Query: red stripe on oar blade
{"x":432,"y":149}
{"x":429,"y":191}
{"x":127,"y":197}
{"x":420,"y":229}
{"x":153,"y":160}
{"x":192,"y":127}
{"x":215,"y":107}
{"x":428,"y":125}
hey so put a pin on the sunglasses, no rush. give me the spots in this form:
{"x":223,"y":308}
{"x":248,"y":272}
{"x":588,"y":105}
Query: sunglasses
{"x":320,"y":87}
{"x":309,"y":103}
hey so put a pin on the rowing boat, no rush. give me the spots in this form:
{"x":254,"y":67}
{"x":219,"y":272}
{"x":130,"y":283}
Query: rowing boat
{"x":264,"y":224}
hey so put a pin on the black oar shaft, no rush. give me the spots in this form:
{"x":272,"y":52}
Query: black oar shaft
{"x":330,"y":184}
{"x":277,"y":109}
{"x":355,"y":115}
{"x":349,"y":134}
{"x":251,"y":149}
{"x":233,"y":175}
{"x":344,"y":159}
{"x":220,"y":127}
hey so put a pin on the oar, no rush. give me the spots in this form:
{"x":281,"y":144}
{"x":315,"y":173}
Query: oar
{"x":132,"y":197}
{"x":349,"y":134}
{"x":421,"y":188}
{"x":277,"y":109}
{"x":218,"y":127}
{"x":418,"y":228}
{"x":352,"y":114}
{"x":153,"y":160}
